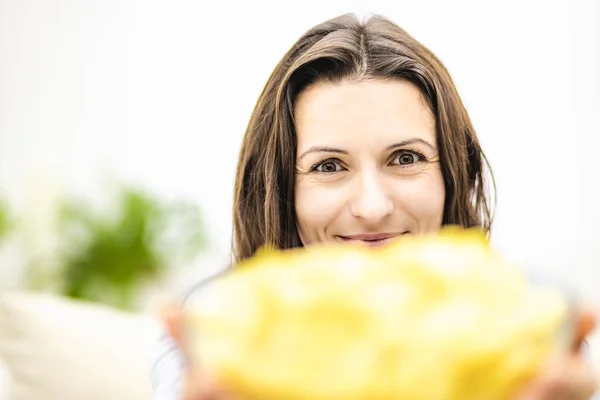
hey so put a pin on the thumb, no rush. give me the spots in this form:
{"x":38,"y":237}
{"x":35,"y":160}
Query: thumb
{"x":171,"y":316}
{"x":586,"y":323}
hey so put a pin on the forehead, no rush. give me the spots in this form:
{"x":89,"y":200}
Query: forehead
{"x":353,"y":112}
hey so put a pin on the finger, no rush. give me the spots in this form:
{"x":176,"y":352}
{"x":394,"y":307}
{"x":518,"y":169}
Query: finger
{"x":586,"y":323}
{"x":573,"y":379}
{"x":172,"y":318}
{"x":169,"y":314}
{"x":201,"y":385}
{"x":566,"y":377}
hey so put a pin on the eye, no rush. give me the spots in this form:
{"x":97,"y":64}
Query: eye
{"x":328,"y":166}
{"x":407,"y":158}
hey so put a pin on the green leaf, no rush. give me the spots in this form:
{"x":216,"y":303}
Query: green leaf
{"x":107,"y":256}
{"x":5,"y":223}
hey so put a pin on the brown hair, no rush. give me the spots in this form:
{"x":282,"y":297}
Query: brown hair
{"x":345,"y":48}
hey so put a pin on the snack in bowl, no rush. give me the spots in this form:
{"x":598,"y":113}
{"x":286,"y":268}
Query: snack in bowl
{"x":438,"y":317}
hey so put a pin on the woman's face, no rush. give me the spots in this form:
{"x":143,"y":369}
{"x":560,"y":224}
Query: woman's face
{"x":367,"y":163}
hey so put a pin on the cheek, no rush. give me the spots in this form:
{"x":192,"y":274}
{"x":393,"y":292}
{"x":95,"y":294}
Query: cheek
{"x":423,"y":199}
{"x":316,"y":207}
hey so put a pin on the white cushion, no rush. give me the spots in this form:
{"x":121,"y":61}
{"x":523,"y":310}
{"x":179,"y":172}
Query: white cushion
{"x":3,"y":381}
{"x":59,"y":349}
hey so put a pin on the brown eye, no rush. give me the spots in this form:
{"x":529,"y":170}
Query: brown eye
{"x":328,"y":167}
{"x":407,"y":158}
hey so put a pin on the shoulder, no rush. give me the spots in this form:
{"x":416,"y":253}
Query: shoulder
{"x":190,"y":294}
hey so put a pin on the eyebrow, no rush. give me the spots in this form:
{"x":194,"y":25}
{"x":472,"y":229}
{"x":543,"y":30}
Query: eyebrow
{"x":411,"y":141}
{"x":323,"y":149}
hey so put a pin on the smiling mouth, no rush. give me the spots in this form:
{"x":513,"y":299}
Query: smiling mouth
{"x":372,"y":239}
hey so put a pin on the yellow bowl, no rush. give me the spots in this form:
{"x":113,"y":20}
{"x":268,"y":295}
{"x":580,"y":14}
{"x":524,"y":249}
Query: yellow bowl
{"x":438,"y":317}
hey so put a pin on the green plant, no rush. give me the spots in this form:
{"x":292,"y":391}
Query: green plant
{"x":4,"y":220}
{"x":108,"y":256}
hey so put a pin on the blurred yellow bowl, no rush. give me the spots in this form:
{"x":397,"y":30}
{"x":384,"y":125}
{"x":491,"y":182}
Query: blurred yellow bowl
{"x":437,"y":317}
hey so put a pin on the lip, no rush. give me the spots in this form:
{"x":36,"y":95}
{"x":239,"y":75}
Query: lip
{"x":371,"y":236}
{"x":371,"y":239}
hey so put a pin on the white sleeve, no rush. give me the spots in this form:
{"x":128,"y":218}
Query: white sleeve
{"x":167,"y":368}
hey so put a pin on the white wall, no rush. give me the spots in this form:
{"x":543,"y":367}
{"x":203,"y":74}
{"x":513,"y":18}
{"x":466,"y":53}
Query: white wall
{"x":159,"y":92}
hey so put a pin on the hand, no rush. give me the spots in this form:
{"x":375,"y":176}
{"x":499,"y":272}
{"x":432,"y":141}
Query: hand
{"x":197,"y":385}
{"x":569,"y":376}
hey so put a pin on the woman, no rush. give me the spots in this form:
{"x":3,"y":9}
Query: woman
{"x":359,"y":136}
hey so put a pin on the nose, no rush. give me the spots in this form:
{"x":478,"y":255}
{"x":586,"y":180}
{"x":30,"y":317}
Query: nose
{"x":371,"y":201}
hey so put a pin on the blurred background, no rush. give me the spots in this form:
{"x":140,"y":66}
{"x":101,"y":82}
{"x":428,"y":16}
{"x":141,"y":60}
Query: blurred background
{"x":121,"y":121}
{"x":97,"y":97}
